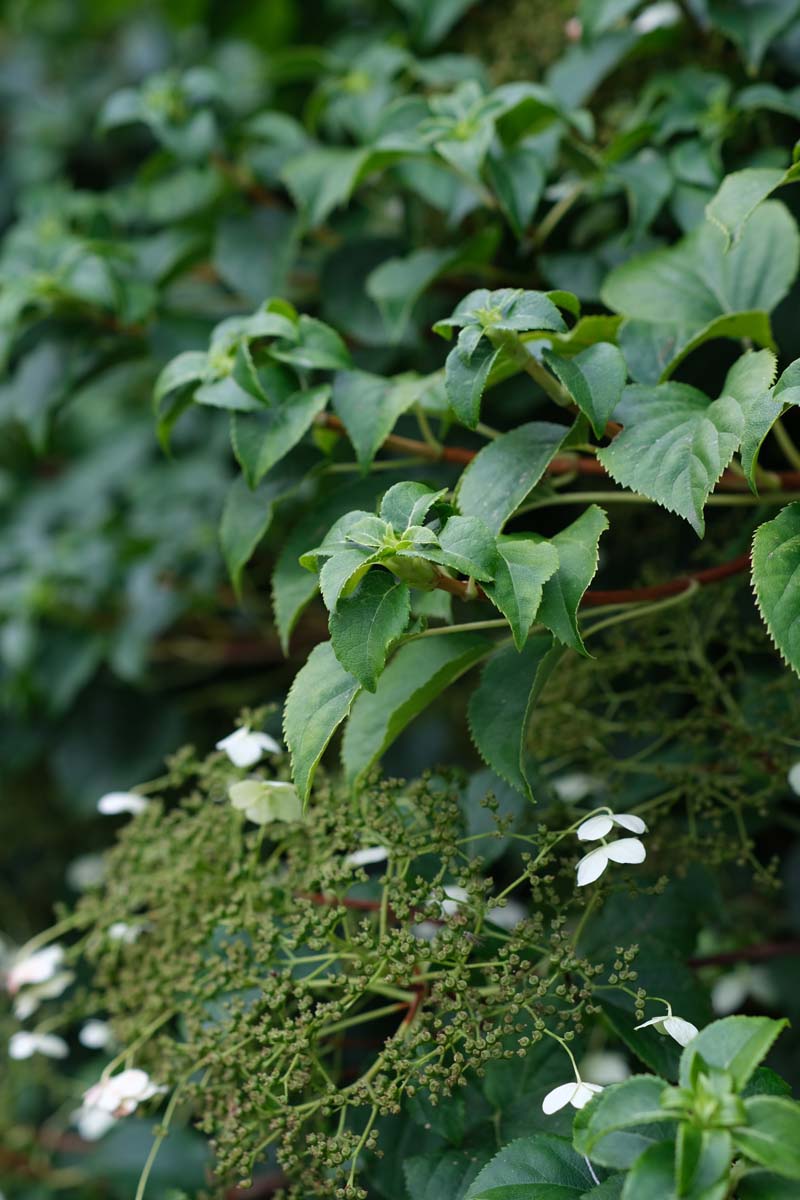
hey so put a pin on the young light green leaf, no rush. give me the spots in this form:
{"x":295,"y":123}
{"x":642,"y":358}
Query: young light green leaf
{"x":319,"y":700}
{"x":674,"y":446}
{"x":749,"y":381}
{"x":772,"y":1134}
{"x":734,"y":1044}
{"x":776,"y":580}
{"x":653,"y":1175}
{"x":503,"y":473}
{"x":523,"y":567}
{"x":262,"y":439}
{"x":533,"y":1168}
{"x":173,"y":389}
{"x":369,"y":406}
{"x":467,"y":545}
{"x":501,"y":706}
{"x":418,"y":672}
{"x":577,"y":548}
{"x":343,"y":568}
{"x":594,"y":378}
{"x":740,"y":194}
{"x":408,"y":503}
{"x":616,"y":1126}
{"x":366,"y":623}
{"x":314,"y":347}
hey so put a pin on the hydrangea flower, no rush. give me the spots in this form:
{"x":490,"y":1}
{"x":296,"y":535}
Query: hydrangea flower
{"x":263,"y":801}
{"x":95,"y":1035}
{"x":367,"y":857}
{"x":623,"y":850}
{"x":730,"y":991}
{"x":577,"y":1093}
{"x":114,"y":803}
{"x":677,"y":1028}
{"x":117,"y":1096}
{"x":244,"y":747}
{"x":29,"y":999}
{"x":36,"y":968}
{"x":601,"y":825}
{"x":24,"y":1045}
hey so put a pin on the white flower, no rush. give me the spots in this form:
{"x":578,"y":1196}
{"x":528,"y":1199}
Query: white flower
{"x":92,"y":1123}
{"x":114,"y":803}
{"x":263,"y":801}
{"x":601,"y":825}
{"x":95,"y":1035}
{"x":27,"y":1002}
{"x":679,"y":1030}
{"x":509,"y":915}
{"x":244,"y":747}
{"x":121,"y":1094}
{"x":367,"y":856}
{"x":575,"y":786}
{"x":24,"y":1045}
{"x":455,"y":897}
{"x":793,"y":778}
{"x":34,"y":968}
{"x":730,"y":991}
{"x":121,"y":931}
{"x":576,"y":1093}
{"x":623,"y":850}
{"x":606,"y":1066}
{"x":86,"y":871}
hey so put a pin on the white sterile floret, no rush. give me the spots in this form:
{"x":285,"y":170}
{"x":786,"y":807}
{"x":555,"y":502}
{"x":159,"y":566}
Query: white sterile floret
{"x":263,"y":801}
{"x":575,"y":786}
{"x":114,"y":803}
{"x":455,"y":897}
{"x":793,"y":778}
{"x":121,"y":931}
{"x":623,"y":850}
{"x":28,"y":1000}
{"x":675,"y":1027}
{"x":95,"y":1035}
{"x":244,"y":747}
{"x":121,"y":1094}
{"x":577,"y":1093}
{"x":86,"y":871}
{"x":24,"y":1045}
{"x":34,"y":968}
{"x":92,"y":1123}
{"x":730,"y":991}
{"x":367,"y":857}
{"x":601,"y":825}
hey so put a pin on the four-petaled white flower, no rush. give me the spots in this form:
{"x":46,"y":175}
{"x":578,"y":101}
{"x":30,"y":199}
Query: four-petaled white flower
{"x":114,"y":803}
{"x":244,"y":747}
{"x":601,"y":825}
{"x":121,"y":1094}
{"x":367,"y":857}
{"x":675,"y":1027}
{"x":266,"y":800}
{"x":35,"y":968}
{"x":95,"y":1035}
{"x":577,"y":1093}
{"x":24,"y":1045}
{"x":623,"y":850}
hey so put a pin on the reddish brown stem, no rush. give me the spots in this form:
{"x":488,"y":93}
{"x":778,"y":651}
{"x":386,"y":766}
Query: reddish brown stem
{"x":761,"y":952}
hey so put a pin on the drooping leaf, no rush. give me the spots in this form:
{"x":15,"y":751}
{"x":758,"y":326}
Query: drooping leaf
{"x":467,"y":371}
{"x":674,"y":446}
{"x":172,"y":393}
{"x":749,"y":381}
{"x":417,"y":674}
{"x":397,"y":284}
{"x":517,"y":177}
{"x":540,"y":1167}
{"x":319,"y":700}
{"x":776,"y":580}
{"x":734,"y":1044}
{"x":503,"y":473}
{"x":594,"y":378}
{"x":501,"y":706}
{"x":577,"y":547}
{"x":369,"y":406}
{"x":523,"y":567}
{"x":772,"y":1134}
{"x":366,"y":623}
{"x":752,"y":26}
{"x":262,"y":439}
{"x":740,"y":194}
{"x":248,"y":513}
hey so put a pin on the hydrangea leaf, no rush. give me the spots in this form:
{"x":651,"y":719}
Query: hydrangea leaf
{"x":776,"y":580}
{"x":501,"y":706}
{"x":749,"y":382}
{"x":408,"y":503}
{"x":417,"y":674}
{"x":369,"y":406}
{"x":533,"y":1167}
{"x":319,"y":700}
{"x":594,"y":378}
{"x":262,"y":439}
{"x":466,"y":544}
{"x":740,"y":194}
{"x":248,"y":513}
{"x":674,"y":446}
{"x":366,"y":623}
{"x":523,"y":568}
{"x":624,"y":1106}
{"x":467,"y":371}
{"x":734,"y":1044}
{"x":503,"y":473}
{"x":772,"y":1134}
{"x":577,"y":548}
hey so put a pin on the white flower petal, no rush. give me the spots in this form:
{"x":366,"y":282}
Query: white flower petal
{"x":653,"y":1021}
{"x":95,"y":1035}
{"x":592,"y":865}
{"x":729,"y":993}
{"x":114,"y":803}
{"x":34,"y":968}
{"x":23,"y":1045}
{"x":559,"y":1097}
{"x":121,"y":931}
{"x":679,"y":1030}
{"x":92,"y":1123}
{"x":244,"y":747}
{"x":575,"y":786}
{"x":509,"y":916}
{"x":595,"y":827}
{"x":584,"y":1093}
{"x":626,"y":850}
{"x":793,"y":778}
{"x":630,"y":822}
{"x":367,"y":857}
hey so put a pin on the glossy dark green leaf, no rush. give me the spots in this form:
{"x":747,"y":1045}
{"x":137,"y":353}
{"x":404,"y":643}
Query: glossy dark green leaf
{"x":503,"y":473}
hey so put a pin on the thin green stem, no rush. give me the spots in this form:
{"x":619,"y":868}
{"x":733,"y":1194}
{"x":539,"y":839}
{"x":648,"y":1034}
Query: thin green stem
{"x":723,"y":500}
{"x":157,"y":1143}
{"x":633,"y":613}
{"x":557,"y":213}
{"x":425,"y":429}
{"x":468,"y":626}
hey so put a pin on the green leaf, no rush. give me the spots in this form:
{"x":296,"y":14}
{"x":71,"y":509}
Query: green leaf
{"x":752,"y":26}
{"x":749,"y":382}
{"x":319,"y":700}
{"x":172,"y":393}
{"x":397,"y":284}
{"x":674,"y":446}
{"x":448,"y":1173}
{"x":594,"y":378}
{"x":341,"y":572}
{"x":503,"y":473}
{"x":702,"y":1162}
{"x":466,"y":373}
{"x":523,"y":567}
{"x":696,"y":290}
{"x":740,"y":194}
{"x":369,"y":406}
{"x":517,"y":178}
{"x":430,"y":22}
{"x":366,"y":623}
{"x":776,"y":580}
{"x":653,"y":1175}
{"x":763,"y":1185}
{"x":315,"y":347}
{"x":772,"y":1134}
{"x":408,"y":503}
{"x":500,"y":708}
{"x":320,"y":180}
{"x":577,"y":547}
{"x":621,"y":1121}
{"x":734,"y":1044}
{"x":540,"y":1167}
{"x":246,"y":517}
{"x":417,"y":674}
{"x":261,"y":440}
{"x":468,"y":546}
